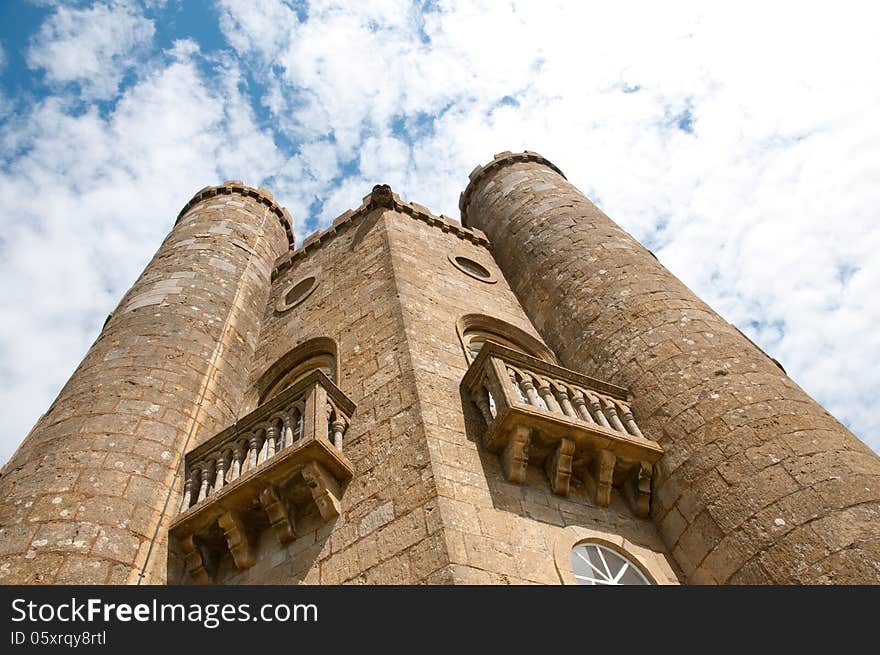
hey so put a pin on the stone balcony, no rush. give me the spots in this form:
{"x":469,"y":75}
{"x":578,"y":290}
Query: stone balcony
{"x":284,"y":455}
{"x":569,"y":423}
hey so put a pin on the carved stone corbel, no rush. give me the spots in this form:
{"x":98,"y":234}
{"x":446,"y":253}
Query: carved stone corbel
{"x":279,"y":515}
{"x":515,"y":457}
{"x":324,"y":488}
{"x":194,"y":560}
{"x":558,"y":466}
{"x":604,"y":474}
{"x":640,"y":489}
{"x":237,"y":539}
{"x":381,"y":196}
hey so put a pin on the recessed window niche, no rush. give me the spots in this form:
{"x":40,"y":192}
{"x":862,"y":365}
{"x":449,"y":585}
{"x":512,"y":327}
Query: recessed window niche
{"x":589,"y":557}
{"x":473,"y":269}
{"x":297,"y":293}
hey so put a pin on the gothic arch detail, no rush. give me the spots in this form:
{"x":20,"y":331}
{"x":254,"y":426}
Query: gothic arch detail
{"x":477,"y":328}
{"x":318,"y":353}
{"x":650,"y":562}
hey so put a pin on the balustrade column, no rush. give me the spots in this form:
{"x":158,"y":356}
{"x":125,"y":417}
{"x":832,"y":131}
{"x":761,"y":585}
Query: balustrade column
{"x":338,"y":428}
{"x":186,"y":501}
{"x":581,"y":406}
{"x":565,"y":402}
{"x":515,"y":383}
{"x":261,"y":454}
{"x":254,"y":451}
{"x":237,"y":459}
{"x":300,"y":428}
{"x":613,"y":418}
{"x":529,"y":387}
{"x":482,"y":402}
{"x":548,"y":397}
{"x":596,"y":410}
{"x":220,"y":474}
{"x":204,"y":488}
{"x":331,"y":414}
{"x":271,"y":438}
{"x":630,"y":422}
{"x":286,"y":431}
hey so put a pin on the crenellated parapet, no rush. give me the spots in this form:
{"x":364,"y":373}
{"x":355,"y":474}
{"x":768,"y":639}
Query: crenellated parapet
{"x":381,"y":197}
{"x":500,"y":160}
{"x":261,"y":195}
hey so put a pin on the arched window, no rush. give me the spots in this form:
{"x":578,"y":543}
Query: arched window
{"x":596,"y":564}
{"x":476,"y":338}
{"x":475,"y":329}
{"x":323,"y":362}
{"x":314,"y":354}
{"x":585,"y":556}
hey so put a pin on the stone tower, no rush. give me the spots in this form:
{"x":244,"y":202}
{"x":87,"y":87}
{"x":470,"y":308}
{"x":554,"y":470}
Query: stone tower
{"x":525,"y":396}
{"x":758,"y":482}
{"x":84,"y":497}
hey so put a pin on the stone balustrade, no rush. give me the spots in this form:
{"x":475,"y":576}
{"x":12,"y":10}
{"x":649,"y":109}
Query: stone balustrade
{"x":255,"y":474}
{"x":570,"y":423}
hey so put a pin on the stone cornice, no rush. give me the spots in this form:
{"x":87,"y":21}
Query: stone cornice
{"x":502,"y":159}
{"x":238,"y":187}
{"x":380,"y":197}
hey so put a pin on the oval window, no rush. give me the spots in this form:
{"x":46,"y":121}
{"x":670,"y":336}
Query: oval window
{"x":297,"y":293}
{"x":472,"y":268}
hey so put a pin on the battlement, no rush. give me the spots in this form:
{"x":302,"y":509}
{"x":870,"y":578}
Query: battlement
{"x":238,"y":187}
{"x":501,"y":159}
{"x":380,"y":197}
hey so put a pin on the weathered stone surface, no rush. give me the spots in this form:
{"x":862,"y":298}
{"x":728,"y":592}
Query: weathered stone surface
{"x":740,"y":435}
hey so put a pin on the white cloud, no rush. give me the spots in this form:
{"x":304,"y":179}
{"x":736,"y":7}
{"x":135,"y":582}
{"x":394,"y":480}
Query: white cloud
{"x":93,"y":47}
{"x":88,"y":203}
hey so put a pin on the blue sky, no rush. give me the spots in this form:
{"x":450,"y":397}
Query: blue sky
{"x":739,"y":143}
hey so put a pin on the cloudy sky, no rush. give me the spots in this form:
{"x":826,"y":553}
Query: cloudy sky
{"x":741,"y":144}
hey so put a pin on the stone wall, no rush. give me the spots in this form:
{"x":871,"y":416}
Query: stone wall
{"x":427,"y":504}
{"x":496,"y":532}
{"x":387,"y":532}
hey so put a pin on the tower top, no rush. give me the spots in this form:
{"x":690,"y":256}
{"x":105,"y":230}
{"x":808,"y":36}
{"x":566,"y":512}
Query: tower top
{"x":501,"y":159}
{"x":262,"y":195}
